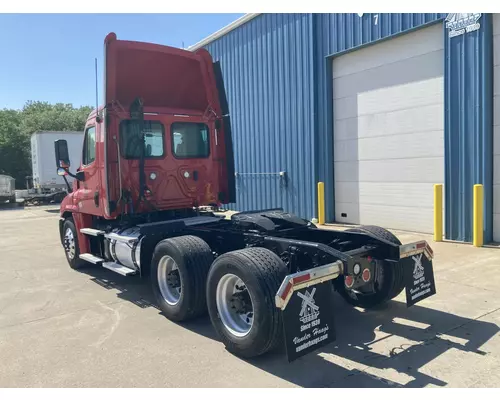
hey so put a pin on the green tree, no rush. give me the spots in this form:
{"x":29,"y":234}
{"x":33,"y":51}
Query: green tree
{"x":17,"y":126}
{"x":14,"y":147}
{"x":42,"y":116}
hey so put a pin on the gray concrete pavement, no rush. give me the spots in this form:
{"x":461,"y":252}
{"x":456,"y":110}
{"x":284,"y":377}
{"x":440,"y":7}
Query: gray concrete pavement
{"x":93,"y":328}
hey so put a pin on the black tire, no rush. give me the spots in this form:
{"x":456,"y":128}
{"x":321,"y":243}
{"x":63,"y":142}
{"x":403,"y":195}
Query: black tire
{"x":378,"y":232}
{"x":262,"y":272}
{"x":193,"y":258}
{"x":391,"y":273}
{"x":12,"y":200}
{"x":74,"y":262}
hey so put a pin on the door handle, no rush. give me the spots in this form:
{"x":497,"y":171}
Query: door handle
{"x":96,"y":198}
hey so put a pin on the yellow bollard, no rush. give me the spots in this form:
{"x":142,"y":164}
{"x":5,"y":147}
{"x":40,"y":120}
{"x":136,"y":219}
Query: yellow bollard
{"x":321,"y":203}
{"x":438,"y":213}
{"x":477,"y":239}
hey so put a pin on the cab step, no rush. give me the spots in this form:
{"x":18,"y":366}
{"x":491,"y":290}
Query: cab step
{"x":118,"y":268}
{"x":91,"y":258}
{"x":92,"y":232}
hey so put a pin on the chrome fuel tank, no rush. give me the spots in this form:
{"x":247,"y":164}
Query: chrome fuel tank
{"x":126,"y":252}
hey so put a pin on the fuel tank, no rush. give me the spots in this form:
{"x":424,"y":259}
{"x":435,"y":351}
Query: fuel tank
{"x":127,"y":253}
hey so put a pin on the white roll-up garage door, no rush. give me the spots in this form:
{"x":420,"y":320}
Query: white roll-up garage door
{"x":388,"y":131}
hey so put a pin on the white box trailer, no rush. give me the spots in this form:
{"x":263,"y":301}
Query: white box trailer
{"x":43,"y":162}
{"x":7,"y":189}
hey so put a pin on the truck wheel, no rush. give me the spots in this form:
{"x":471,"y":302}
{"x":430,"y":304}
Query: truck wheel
{"x":70,"y":244}
{"x":241,"y":287}
{"x":12,"y":200}
{"x":179,"y":269}
{"x":390,"y":279}
{"x":378,"y":232}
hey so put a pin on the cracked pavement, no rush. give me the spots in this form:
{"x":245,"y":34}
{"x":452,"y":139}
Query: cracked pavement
{"x":63,"y":328}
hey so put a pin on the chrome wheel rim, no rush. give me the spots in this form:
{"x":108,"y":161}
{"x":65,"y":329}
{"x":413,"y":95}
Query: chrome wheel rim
{"x":69,"y":243}
{"x":234,"y":304}
{"x":169,"y":280}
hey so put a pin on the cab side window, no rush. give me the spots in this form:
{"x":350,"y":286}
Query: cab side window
{"x":89,"y":146}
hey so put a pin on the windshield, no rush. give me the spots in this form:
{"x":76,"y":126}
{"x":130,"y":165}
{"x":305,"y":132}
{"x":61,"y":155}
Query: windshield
{"x":130,"y":139}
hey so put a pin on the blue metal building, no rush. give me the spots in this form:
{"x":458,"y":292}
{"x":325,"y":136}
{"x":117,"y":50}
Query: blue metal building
{"x":378,"y":106}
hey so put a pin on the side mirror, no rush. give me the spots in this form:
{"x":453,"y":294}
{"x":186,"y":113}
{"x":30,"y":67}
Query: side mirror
{"x":62,"y":172}
{"x":62,"y":154}
{"x":63,"y":163}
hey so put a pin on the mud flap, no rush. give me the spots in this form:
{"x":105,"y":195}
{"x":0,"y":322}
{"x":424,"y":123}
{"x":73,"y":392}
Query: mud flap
{"x":306,"y":301}
{"x":308,"y":320}
{"x":419,"y":279}
{"x":418,"y":272}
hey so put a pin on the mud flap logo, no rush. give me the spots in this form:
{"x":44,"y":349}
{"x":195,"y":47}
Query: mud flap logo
{"x":418,"y":271}
{"x":309,"y":311}
{"x":305,"y":331}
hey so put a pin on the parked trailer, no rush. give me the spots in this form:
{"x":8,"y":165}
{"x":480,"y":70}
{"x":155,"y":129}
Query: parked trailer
{"x":46,"y":186}
{"x":45,"y":176}
{"x":34,"y":197}
{"x":138,"y":206}
{"x":7,"y":189}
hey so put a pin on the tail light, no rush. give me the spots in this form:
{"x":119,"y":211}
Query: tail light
{"x":349,"y":281}
{"x":366,"y":275}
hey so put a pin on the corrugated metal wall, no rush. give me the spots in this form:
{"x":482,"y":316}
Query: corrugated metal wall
{"x":277,"y":70}
{"x":468,"y":128}
{"x":334,"y":35}
{"x":267,"y":65}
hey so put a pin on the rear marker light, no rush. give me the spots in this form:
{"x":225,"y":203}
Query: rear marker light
{"x":301,"y":278}
{"x":349,"y":281}
{"x":366,"y":275}
{"x":357,"y":269}
{"x":287,"y":290}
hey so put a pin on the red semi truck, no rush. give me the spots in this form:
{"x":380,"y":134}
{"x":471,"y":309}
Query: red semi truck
{"x":154,"y":156}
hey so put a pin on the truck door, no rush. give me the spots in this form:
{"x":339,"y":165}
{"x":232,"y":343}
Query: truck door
{"x":88,"y":197}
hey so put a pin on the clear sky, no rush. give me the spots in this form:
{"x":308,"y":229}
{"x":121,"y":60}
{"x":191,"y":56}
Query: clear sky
{"x":50,"y":57}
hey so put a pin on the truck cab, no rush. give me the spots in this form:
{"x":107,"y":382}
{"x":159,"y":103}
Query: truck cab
{"x":160,"y":141}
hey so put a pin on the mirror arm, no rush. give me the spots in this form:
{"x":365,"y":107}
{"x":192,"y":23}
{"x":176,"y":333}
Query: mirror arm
{"x":77,"y":176}
{"x":67,"y":183}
